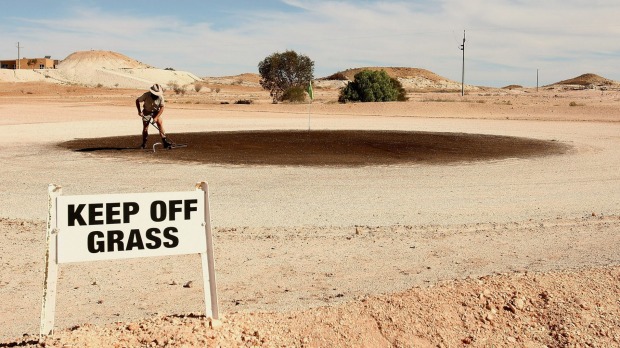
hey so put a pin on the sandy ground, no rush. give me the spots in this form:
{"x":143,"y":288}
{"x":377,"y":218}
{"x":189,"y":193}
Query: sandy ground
{"x":508,"y":252}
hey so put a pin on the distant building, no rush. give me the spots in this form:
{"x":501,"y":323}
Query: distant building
{"x":29,"y":63}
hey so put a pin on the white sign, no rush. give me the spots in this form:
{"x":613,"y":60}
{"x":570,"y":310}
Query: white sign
{"x":120,"y":226}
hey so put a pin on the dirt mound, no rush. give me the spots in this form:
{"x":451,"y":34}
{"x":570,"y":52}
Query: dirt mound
{"x":511,"y":87}
{"x":111,"y":69}
{"x":395,"y":73}
{"x":99,"y":60}
{"x":525,"y":310}
{"x":104,"y":69}
{"x":246,"y":79}
{"x":588,"y":80}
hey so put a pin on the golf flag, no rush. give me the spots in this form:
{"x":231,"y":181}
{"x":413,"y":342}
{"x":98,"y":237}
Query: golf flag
{"x":310,"y":92}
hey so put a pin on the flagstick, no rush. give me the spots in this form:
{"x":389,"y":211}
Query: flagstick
{"x":310,"y":103}
{"x":311,"y":95}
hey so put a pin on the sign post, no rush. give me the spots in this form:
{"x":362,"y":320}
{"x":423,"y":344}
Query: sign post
{"x":48,"y":307}
{"x":208,"y":263}
{"x":121,"y":226}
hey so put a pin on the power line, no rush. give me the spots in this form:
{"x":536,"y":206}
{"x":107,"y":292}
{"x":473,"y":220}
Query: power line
{"x":463,"y":67}
{"x":18,"y":55}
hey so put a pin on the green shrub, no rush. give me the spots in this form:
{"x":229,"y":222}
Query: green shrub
{"x":337,"y":76}
{"x":402,"y":94}
{"x":372,"y":86}
{"x":295,"y":94}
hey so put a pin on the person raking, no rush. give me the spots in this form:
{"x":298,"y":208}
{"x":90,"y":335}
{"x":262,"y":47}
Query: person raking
{"x":153,"y":108}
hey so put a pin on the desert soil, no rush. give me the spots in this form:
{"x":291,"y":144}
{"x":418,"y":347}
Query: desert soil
{"x":509,"y":251}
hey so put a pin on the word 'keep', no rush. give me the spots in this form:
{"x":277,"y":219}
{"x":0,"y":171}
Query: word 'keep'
{"x":122,"y":212}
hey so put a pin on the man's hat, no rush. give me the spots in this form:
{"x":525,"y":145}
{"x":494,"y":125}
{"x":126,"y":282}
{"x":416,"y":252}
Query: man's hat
{"x":157,"y":90}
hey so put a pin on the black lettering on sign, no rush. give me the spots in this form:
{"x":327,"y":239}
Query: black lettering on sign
{"x":96,"y":213}
{"x":173,"y":241}
{"x":135,"y":240}
{"x":129,"y":208}
{"x":175,"y":207}
{"x":95,"y":210}
{"x":74,"y":214}
{"x":158,"y":211}
{"x":189,"y":207}
{"x":115,"y":238}
{"x":154,"y":240}
{"x":96,"y":244}
{"x":111,"y":210}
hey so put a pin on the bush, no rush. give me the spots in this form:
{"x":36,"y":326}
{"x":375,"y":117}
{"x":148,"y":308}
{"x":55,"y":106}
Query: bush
{"x":296,"y":94}
{"x":402,"y":94}
{"x":197,"y":87}
{"x":373,"y":86}
{"x":337,"y":76}
{"x":180,"y":90}
{"x":177,"y":88}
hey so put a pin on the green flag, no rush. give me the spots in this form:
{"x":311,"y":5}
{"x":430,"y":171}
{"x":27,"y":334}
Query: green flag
{"x":310,"y":92}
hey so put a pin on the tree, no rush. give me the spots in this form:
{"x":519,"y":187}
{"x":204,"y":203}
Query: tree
{"x":281,"y":71}
{"x":32,"y":62}
{"x":372,"y":86}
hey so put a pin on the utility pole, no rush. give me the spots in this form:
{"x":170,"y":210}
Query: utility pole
{"x":536,"y":80}
{"x":463,"y":66}
{"x":18,"y":56}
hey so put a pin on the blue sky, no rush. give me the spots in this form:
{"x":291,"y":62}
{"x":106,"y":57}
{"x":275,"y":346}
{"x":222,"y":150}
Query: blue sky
{"x":507,"y":41}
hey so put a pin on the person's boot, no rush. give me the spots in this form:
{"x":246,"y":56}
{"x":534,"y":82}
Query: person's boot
{"x":167,"y":144}
{"x":144,"y":137}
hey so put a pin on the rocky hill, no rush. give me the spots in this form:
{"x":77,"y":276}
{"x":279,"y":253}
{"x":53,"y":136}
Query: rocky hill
{"x":410,"y":78}
{"x":99,"y":60}
{"x":102,"y":69}
{"x":589,"y":80}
